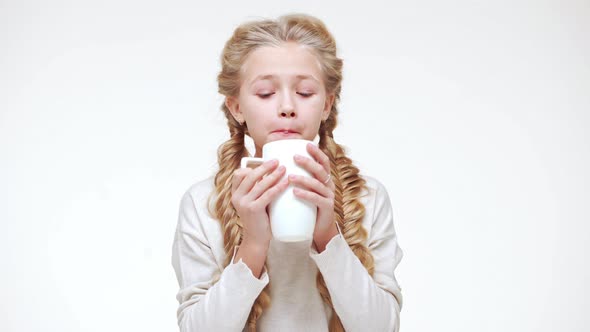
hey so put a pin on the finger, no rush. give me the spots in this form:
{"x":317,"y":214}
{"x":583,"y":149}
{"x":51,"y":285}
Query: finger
{"x":272,"y":193}
{"x":314,"y":198}
{"x":311,"y":184}
{"x":312,"y":166}
{"x":319,"y":156}
{"x":238,"y":177}
{"x":261,"y":186}
{"x":255,"y":175}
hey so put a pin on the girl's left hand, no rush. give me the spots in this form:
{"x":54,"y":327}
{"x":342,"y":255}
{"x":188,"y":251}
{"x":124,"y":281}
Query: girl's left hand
{"x":319,"y":190}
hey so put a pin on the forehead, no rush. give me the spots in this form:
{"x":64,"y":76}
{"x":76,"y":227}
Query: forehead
{"x":286,"y":61}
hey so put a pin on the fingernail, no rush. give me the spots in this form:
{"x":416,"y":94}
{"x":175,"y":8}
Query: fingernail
{"x":297,"y":157}
{"x":292,"y":177}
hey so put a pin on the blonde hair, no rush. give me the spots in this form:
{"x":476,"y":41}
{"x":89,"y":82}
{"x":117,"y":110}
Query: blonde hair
{"x":349,"y":211}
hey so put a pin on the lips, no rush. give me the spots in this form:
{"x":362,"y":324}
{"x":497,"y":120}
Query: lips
{"x":285,"y":131}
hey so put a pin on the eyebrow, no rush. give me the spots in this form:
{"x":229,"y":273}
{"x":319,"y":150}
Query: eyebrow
{"x":270,"y":77}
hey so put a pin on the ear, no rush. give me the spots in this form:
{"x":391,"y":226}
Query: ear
{"x":328,"y":106}
{"x":234,"y":107}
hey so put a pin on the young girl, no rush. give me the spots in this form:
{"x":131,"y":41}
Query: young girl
{"x":281,"y":80}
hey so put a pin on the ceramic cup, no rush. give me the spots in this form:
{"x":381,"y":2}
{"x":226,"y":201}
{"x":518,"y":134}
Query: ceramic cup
{"x":292,"y":219}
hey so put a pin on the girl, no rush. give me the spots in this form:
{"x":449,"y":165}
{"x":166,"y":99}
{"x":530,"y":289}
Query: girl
{"x":281,"y":80}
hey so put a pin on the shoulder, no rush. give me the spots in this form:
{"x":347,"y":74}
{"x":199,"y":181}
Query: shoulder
{"x":372,"y":182}
{"x":200,"y":189}
{"x":196,"y":196}
{"x":377,"y":205}
{"x":375,"y":188}
{"x":195,"y":220}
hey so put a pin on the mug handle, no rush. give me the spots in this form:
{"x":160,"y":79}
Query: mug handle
{"x":251,"y":162}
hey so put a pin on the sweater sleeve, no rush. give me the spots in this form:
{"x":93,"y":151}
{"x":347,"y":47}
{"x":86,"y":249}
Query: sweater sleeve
{"x":362,"y":302}
{"x":210,"y":298}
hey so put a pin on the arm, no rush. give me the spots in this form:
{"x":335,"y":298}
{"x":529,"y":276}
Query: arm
{"x":364,"y":303}
{"x":205,"y":303}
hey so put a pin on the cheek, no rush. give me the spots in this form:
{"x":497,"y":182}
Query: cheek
{"x":315,"y":106}
{"x":320,"y":100}
{"x":255,"y":107}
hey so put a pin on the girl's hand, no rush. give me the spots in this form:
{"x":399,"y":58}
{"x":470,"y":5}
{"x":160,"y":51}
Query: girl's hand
{"x":252,"y":192}
{"x":319,"y":190}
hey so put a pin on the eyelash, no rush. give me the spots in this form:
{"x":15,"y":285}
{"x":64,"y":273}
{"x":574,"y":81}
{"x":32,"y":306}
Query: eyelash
{"x":266,"y":95}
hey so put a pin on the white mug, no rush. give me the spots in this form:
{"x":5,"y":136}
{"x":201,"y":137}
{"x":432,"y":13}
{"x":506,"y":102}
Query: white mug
{"x":292,"y":219}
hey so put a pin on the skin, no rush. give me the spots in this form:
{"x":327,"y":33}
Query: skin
{"x":281,"y":87}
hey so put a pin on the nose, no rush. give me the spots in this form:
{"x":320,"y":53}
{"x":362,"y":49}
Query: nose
{"x":286,"y":109}
{"x":288,"y":114}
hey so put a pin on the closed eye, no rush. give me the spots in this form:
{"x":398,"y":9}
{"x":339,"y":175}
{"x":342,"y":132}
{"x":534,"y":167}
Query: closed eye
{"x":303,"y":94}
{"x":265,"y":95}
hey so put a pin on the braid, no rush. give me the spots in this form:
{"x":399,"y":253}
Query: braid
{"x":348,"y":210}
{"x":229,"y":156}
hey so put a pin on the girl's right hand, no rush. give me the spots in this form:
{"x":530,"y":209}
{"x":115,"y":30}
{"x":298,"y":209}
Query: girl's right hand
{"x":252,"y":192}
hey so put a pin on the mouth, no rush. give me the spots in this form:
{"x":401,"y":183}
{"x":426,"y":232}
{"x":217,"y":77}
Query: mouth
{"x":285,"y":133}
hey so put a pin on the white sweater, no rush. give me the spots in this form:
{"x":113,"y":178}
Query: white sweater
{"x":217,"y":298}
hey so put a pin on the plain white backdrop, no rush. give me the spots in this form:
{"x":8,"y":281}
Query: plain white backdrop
{"x":475,"y":115}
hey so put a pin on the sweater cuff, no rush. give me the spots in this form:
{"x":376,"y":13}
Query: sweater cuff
{"x":314,"y":249}
{"x":246,"y":275}
{"x":329,"y":255}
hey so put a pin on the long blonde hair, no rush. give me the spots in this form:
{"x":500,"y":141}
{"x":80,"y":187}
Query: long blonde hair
{"x":349,"y":211}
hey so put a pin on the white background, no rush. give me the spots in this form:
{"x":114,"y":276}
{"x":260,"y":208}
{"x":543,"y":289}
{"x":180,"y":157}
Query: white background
{"x":474,"y":115}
